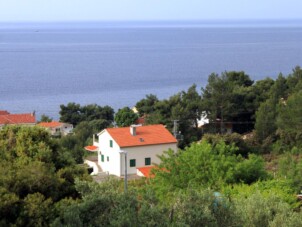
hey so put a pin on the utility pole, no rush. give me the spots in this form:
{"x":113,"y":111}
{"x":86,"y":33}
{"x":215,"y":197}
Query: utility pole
{"x":221,"y":120}
{"x":125,"y":177}
{"x":126,"y":180}
{"x":175,"y":128}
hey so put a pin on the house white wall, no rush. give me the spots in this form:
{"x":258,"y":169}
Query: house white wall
{"x":113,"y":166}
{"x":139,"y":153}
{"x":66,"y":128}
{"x":62,"y":129}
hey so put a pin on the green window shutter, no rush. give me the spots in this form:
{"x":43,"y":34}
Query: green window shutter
{"x":107,"y":158}
{"x":102,"y":158}
{"x":111,"y":143}
{"x":147,"y":161}
{"x":132,"y":162}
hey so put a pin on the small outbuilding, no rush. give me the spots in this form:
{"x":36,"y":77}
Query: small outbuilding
{"x":57,"y":128}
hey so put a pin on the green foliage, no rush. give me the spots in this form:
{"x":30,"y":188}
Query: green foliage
{"x":125,"y":117}
{"x":70,"y":113}
{"x":82,"y":137}
{"x":229,"y":98}
{"x":261,"y":91}
{"x":40,"y":185}
{"x":74,"y":113}
{"x":289,"y":120}
{"x":45,"y":118}
{"x":36,"y":211}
{"x":25,"y":144}
{"x":290,"y":167}
{"x":279,"y":90}
{"x":188,"y":112}
{"x":266,"y":116}
{"x":265,"y":126}
{"x":294,"y":80}
{"x":35,"y":173}
{"x":258,"y":210}
{"x":184,"y":107}
{"x":105,"y":205}
{"x":250,"y":170}
{"x":282,"y":189}
{"x":205,"y":165}
{"x":146,"y":105}
{"x":230,"y":139}
{"x":202,"y":208}
{"x":9,"y":206}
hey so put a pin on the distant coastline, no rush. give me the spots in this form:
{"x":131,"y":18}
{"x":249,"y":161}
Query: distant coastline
{"x":153,"y":24}
{"x":43,"y":66}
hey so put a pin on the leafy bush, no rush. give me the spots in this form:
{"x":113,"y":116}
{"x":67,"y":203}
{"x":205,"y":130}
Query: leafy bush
{"x":230,"y":139}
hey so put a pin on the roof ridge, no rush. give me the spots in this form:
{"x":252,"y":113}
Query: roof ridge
{"x":146,"y":135}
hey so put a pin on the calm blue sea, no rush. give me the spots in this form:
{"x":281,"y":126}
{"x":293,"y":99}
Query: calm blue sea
{"x":117,"y":64}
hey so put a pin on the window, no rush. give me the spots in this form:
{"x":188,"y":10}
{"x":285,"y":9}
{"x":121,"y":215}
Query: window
{"x":111,"y":143}
{"x":96,"y":138}
{"x":107,"y":158}
{"x":132,"y":162}
{"x":102,"y":158}
{"x":147,"y":161}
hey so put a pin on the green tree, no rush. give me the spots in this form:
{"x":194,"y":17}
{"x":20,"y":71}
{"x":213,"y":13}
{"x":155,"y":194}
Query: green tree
{"x":95,"y":112}
{"x":259,"y":210}
{"x":9,"y":206}
{"x":229,"y":98}
{"x":205,"y":165}
{"x":146,"y":105}
{"x":35,"y":173}
{"x":289,"y":120}
{"x":45,"y":118}
{"x":74,"y":113}
{"x":202,"y":208}
{"x":125,"y":117}
{"x":261,"y":90}
{"x":70,"y":113}
{"x":82,"y":137}
{"x":266,"y":115}
{"x":265,"y":126}
{"x":250,"y":170}
{"x":294,"y":80}
{"x":243,"y":145}
{"x":290,"y":167}
{"x":37,"y":211}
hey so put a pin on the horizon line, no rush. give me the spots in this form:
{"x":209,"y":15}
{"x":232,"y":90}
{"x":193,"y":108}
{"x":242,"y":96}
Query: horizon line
{"x":158,"y":20}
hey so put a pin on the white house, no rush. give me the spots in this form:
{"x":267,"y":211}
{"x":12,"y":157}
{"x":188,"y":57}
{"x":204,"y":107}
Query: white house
{"x":140,"y":145}
{"x":57,"y":128}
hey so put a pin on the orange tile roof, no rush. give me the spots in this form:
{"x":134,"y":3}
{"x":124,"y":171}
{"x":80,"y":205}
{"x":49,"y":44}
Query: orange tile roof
{"x":27,"y":118}
{"x":145,"y":135}
{"x":146,"y":171}
{"x":52,"y":124}
{"x":3,"y":112}
{"x":91,"y":148}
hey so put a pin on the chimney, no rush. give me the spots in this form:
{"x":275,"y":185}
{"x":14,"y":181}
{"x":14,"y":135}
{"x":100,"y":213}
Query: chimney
{"x":133,"y":130}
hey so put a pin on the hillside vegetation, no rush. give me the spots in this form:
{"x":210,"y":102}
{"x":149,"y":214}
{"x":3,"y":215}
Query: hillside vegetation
{"x":250,"y":177}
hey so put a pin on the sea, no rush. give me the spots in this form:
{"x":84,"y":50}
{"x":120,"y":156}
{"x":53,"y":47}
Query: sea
{"x":44,"y":65}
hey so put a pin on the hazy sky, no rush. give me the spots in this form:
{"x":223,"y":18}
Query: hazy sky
{"x":69,"y":10}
